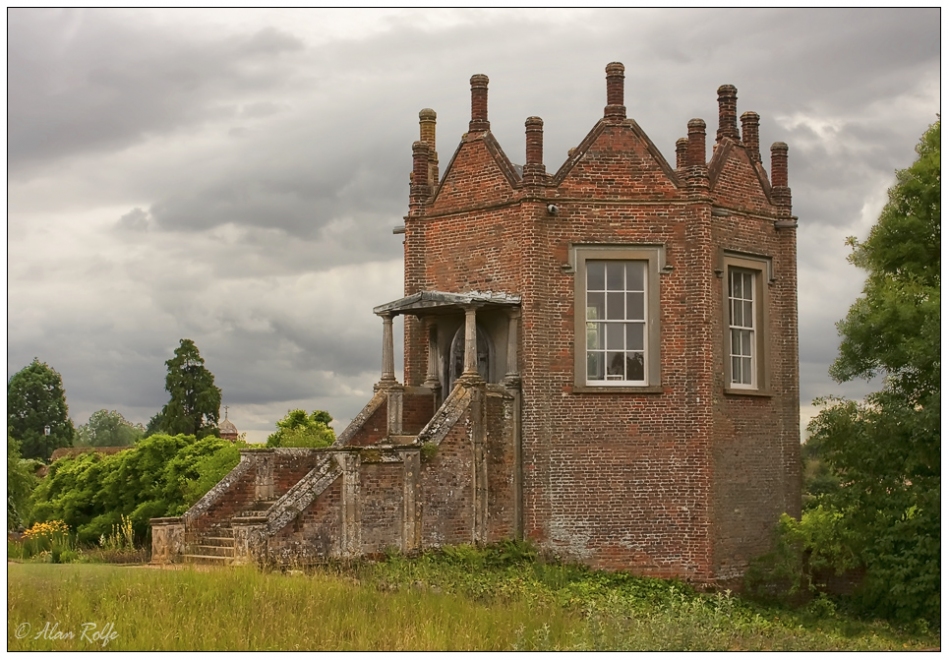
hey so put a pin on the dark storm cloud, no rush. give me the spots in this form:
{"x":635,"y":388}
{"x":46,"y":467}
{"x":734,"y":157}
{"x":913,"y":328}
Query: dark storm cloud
{"x":95,"y":80}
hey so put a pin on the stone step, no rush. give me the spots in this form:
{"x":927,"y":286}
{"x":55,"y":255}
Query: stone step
{"x":207,"y":559}
{"x":213,"y":550}
{"x":225,"y":541}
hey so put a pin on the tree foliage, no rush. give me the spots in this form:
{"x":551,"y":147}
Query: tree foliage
{"x":195,"y":404}
{"x":160,"y":476}
{"x":20,"y":484}
{"x":36,"y":399}
{"x":885,"y":451}
{"x":298,"y":429}
{"x":108,"y":428}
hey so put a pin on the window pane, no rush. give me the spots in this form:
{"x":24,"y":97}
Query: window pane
{"x":736,"y":312}
{"x":614,"y":275}
{"x":736,"y":342}
{"x":596,"y":305}
{"x":614,"y":366}
{"x":746,"y":280}
{"x":746,"y":314}
{"x":635,"y":306}
{"x":736,"y":369}
{"x":614,"y":336}
{"x":746,"y":342}
{"x":614,"y":306}
{"x":746,"y":371}
{"x":734,"y":284}
{"x":635,"y":275}
{"x":635,"y":367}
{"x":634,"y":336}
{"x":595,"y":281}
{"x":595,"y":366}
{"x":595,"y":336}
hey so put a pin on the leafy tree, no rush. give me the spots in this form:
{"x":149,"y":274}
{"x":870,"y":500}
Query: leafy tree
{"x":159,"y":476}
{"x":36,"y":400}
{"x":885,"y":451}
{"x":298,"y":429}
{"x":108,"y":428}
{"x":195,"y":403}
{"x":20,"y":484}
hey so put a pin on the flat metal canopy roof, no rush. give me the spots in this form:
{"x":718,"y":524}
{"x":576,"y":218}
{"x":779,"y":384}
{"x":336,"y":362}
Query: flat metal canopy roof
{"x":440,"y":302}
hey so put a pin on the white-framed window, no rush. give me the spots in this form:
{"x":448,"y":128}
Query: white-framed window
{"x":616,"y":324}
{"x":617,"y":316}
{"x":745,"y":302}
{"x":742,"y":328}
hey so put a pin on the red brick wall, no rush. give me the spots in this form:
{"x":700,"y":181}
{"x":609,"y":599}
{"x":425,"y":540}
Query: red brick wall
{"x":316,"y":532}
{"x":417,"y":410}
{"x":446,"y":490}
{"x":499,"y":416}
{"x":238,"y":498}
{"x":632,"y":480}
{"x":289,"y":469}
{"x":756,"y":455}
{"x":380,"y":491}
{"x":374,"y":430}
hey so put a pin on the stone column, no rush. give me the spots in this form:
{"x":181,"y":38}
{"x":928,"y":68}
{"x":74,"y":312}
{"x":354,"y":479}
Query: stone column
{"x":431,"y":378}
{"x":350,"y":541}
{"x":388,"y":354}
{"x":411,"y":531}
{"x":513,"y":316}
{"x":471,"y":342}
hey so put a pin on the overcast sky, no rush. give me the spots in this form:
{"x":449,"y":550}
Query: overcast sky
{"x":233,"y":177}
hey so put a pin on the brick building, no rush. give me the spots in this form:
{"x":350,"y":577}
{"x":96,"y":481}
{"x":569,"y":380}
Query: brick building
{"x":602,"y":360}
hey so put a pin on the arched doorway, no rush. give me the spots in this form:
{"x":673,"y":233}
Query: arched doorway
{"x":456,"y":355}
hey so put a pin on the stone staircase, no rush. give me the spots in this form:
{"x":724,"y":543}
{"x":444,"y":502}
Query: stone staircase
{"x":216,"y":548}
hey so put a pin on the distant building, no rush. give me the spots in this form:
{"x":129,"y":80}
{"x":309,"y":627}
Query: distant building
{"x":227,"y":428}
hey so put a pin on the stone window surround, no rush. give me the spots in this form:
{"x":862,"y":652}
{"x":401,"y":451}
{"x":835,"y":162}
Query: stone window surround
{"x":761,"y":266}
{"x":654,"y":256}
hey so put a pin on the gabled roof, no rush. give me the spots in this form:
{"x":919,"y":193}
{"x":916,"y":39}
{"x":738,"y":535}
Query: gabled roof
{"x":596,"y":132}
{"x":440,"y":302}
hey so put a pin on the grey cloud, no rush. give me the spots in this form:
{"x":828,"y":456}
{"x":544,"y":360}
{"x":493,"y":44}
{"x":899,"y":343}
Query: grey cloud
{"x":301,"y":158}
{"x":91,"y":80}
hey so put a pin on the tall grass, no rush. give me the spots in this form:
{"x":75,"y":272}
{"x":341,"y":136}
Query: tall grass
{"x":467,"y":601}
{"x":243,"y":609}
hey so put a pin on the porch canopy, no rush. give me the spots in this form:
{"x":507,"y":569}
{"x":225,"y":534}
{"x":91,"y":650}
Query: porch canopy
{"x":426,"y":303}
{"x":430,"y":303}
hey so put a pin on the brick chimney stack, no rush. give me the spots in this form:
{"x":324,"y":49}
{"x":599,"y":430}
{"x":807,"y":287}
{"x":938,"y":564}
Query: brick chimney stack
{"x":749,"y":134}
{"x":695,"y":151}
{"x":426,"y":125}
{"x":682,"y":150}
{"x":534,"y":169}
{"x":419,"y":188}
{"x":614,"y":91}
{"x":479,"y":104}
{"x":780,"y":192}
{"x":727,"y":113}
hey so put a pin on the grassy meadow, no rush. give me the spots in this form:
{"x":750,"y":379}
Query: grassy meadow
{"x":462,"y":600}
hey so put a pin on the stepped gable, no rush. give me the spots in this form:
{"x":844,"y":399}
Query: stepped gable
{"x":617,"y":159}
{"x":737,"y":179}
{"x":479,"y":174}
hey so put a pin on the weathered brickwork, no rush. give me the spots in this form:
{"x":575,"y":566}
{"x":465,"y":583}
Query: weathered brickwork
{"x":501,"y":468}
{"x":446,"y":483}
{"x":373,"y":430}
{"x":381,"y":506}
{"x":498,"y":431}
